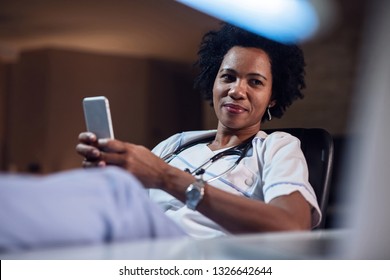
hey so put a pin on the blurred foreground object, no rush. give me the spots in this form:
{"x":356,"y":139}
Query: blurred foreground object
{"x":367,"y":164}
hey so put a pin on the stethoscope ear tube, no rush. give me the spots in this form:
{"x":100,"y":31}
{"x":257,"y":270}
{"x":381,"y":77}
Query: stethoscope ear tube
{"x":168,"y":157}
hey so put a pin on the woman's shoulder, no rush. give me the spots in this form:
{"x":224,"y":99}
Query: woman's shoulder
{"x":187,"y":136}
{"x":276,"y":135}
{"x":182,"y":138}
{"x":276,"y":140}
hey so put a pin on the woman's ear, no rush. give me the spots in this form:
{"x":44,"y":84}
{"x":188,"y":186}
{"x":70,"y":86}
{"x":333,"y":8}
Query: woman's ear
{"x":272,"y":103}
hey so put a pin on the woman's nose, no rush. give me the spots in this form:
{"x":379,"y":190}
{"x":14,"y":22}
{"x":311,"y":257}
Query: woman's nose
{"x":238,"y":90}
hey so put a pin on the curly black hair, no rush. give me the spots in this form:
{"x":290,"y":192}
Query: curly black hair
{"x":287,"y":64}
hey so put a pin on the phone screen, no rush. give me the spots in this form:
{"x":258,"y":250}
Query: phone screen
{"x":98,"y":116}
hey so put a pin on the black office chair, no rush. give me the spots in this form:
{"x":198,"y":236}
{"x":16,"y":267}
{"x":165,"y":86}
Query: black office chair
{"x":317,"y":146}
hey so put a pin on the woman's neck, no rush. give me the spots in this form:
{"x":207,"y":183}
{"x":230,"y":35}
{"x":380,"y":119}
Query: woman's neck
{"x":228,"y":138}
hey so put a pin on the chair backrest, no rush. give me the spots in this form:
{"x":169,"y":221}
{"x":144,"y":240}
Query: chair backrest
{"x":317,"y":146}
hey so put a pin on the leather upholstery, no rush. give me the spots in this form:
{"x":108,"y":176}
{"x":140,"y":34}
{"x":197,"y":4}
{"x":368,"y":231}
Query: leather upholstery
{"x":317,"y":146}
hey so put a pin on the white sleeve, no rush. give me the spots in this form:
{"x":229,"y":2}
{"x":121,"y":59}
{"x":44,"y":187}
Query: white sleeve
{"x":285,"y":171}
{"x":168,"y":145}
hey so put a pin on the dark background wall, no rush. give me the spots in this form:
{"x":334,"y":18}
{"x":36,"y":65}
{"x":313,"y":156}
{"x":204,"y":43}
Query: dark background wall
{"x":150,"y":100}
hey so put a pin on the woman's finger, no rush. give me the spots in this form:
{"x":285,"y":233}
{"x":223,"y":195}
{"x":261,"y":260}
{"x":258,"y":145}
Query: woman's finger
{"x":87,"y":151}
{"x":112,"y":145}
{"x":88,"y":164}
{"x":87,"y":138}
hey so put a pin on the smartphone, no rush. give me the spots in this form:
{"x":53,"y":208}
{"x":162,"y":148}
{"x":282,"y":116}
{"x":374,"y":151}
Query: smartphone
{"x":98,"y":116}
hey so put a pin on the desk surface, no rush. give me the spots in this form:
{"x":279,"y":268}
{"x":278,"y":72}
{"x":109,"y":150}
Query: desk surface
{"x":291,"y":245}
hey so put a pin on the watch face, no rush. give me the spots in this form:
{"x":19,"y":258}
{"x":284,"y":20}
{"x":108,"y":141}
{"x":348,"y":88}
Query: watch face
{"x":193,"y":194}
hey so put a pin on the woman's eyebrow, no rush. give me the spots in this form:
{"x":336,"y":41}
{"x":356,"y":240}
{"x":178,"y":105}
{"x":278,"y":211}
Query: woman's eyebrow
{"x":227,"y":69}
{"x":258,"y":74}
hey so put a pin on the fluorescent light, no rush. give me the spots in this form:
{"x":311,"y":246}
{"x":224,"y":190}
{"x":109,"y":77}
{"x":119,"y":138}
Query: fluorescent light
{"x":286,"y":21}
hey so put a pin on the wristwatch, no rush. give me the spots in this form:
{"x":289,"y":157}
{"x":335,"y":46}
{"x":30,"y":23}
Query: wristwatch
{"x":194,"y":194}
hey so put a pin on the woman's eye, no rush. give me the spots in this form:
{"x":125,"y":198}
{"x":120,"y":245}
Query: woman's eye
{"x":256,"y":82}
{"x":228,"y":78}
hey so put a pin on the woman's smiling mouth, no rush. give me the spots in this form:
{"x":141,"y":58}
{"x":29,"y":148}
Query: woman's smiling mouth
{"x":234,"y":108}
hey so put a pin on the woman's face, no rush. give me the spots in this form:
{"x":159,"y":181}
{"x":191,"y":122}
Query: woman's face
{"x":242,"y":89}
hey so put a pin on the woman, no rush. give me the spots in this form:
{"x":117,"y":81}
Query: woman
{"x":248,"y":79}
{"x":258,"y":184}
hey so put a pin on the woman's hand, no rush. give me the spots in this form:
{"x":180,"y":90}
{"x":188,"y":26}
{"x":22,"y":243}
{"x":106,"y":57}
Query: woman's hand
{"x":138,"y":160}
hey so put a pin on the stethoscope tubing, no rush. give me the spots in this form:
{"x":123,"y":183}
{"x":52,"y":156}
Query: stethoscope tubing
{"x":240,"y":150}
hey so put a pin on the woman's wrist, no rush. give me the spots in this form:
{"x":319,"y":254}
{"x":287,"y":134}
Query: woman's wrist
{"x":176,"y":181}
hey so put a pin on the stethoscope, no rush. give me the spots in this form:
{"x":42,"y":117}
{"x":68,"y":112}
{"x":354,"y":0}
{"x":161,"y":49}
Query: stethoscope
{"x":240,"y":150}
